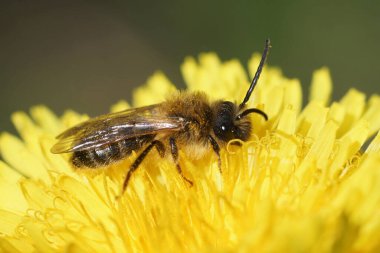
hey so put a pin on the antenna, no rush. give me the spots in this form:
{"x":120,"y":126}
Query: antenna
{"x":257,"y":75}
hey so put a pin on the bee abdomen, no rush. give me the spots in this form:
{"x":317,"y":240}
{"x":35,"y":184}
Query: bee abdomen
{"x":107,"y":154}
{"x":97,"y":157}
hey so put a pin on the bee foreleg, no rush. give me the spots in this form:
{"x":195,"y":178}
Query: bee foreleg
{"x":174,"y":151}
{"x":216,"y":148}
{"x":140,"y":158}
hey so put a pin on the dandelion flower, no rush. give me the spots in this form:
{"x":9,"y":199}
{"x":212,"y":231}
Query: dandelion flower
{"x":307,"y":181}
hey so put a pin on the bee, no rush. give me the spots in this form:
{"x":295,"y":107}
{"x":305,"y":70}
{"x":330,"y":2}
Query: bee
{"x":187,"y":120}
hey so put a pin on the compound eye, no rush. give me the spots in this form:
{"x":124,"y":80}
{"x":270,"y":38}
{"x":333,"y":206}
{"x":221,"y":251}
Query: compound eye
{"x":224,"y":131}
{"x":224,"y":121}
{"x":227,"y":128}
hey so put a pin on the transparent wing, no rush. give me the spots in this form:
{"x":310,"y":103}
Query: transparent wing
{"x":113,"y":127}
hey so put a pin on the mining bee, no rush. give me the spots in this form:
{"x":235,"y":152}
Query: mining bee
{"x":186,"y":120}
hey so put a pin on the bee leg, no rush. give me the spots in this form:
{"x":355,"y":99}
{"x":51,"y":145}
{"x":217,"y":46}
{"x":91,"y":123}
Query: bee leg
{"x":216,"y":148}
{"x":174,"y":150}
{"x":160,"y":148}
{"x":140,"y":158}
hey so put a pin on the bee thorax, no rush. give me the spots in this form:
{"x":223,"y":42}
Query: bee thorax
{"x":196,"y":151}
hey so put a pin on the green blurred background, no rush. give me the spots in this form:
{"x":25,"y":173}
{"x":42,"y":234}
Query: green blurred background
{"x":86,"y":55}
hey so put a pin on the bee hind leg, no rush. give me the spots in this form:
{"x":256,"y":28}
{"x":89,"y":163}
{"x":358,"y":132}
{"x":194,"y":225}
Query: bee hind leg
{"x":174,"y":151}
{"x":161,"y":150}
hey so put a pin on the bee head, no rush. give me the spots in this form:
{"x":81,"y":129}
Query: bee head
{"x":230,"y":120}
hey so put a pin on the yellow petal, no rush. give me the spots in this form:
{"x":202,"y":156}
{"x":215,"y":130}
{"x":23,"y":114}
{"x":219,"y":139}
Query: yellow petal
{"x":321,"y":86}
{"x":120,"y":106}
{"x":18,"y":156}
{"x":354,"y":104}
{"x":293,"y":95}
{"x":372,"y":114}
{"x":9,"y":184}
{"x":210,"y":75}
{"x":157,"y":88}
{"x":9,"y":222}
{"x":46,"y":119}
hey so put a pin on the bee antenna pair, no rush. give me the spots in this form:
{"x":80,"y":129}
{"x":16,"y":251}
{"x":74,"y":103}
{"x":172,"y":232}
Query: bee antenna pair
{"x":256,"y":77}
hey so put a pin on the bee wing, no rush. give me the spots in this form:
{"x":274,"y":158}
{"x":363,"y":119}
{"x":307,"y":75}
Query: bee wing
{"x":114,"y":127}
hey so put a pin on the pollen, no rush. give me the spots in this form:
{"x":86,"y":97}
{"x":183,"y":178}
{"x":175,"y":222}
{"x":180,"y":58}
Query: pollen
{"x":306,"y":181}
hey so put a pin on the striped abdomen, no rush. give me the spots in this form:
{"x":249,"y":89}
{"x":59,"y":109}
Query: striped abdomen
{"x":107,"y":154}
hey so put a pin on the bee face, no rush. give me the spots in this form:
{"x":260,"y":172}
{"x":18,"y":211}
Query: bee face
{"x":227,"y":125}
